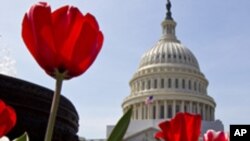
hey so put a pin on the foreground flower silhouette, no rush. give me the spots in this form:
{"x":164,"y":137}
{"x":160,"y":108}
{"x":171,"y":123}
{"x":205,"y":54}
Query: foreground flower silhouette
{"x":183,"y":127}
{"x":212,"y":135}
{"x":7,"y":118}
{"x":64,"y":43}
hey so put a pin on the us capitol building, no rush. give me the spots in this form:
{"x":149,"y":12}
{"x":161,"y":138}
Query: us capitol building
{"x":170,"y":73}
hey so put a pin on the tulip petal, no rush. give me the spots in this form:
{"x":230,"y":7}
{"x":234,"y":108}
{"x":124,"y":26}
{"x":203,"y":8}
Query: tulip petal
{"x":159,"y":135}
{"x":7,"y":118}
{"x":38,"y":35}
{"x":212,"y":135}
{"x":183,"y":126}
{"x":86,"y":48}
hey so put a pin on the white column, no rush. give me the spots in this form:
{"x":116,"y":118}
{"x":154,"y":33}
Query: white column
{"x":165,"y":109}
{"x":133,"y":113}
{"x":209,"y":113}
{"x":173,"y":108}
{"x":140,"y":111}
{"x":157,"y":110}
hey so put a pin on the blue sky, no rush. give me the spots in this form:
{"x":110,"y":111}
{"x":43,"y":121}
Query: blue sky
{"x":217,"y":32}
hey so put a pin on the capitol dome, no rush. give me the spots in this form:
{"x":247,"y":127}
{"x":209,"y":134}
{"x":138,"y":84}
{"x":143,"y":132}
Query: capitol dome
{"x":169,"y":73}
{"x":169,"y":53}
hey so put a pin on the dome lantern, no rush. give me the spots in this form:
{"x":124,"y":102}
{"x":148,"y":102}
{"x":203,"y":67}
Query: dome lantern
{"x":168,"y":25}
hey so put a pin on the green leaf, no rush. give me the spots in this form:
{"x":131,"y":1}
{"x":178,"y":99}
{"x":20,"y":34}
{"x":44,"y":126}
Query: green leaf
{"x":24,"y":137}
{"x":121,"y":127}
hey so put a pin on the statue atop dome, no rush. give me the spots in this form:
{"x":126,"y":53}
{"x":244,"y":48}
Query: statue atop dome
{"x":169,"y":14}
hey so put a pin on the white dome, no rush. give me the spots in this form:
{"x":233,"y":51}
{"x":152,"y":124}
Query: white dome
{"x":169,"y":53}
{"x":169,"y":73}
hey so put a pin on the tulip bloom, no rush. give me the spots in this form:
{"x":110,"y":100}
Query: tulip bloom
{"x":212,"y":135}
{"x":7,"y":118}
{"x":64,"y":41}
{"x":183,"y":127}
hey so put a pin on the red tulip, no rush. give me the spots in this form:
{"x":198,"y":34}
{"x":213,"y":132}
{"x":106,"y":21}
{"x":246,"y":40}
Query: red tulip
{"x":212,"y":135}
{"x":7,"y":118}
{"x":183,"y":127}
{"x":64,"y":40}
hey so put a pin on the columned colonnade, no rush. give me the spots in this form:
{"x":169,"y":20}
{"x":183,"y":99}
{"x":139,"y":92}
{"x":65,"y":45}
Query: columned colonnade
{"x":166,"y":109}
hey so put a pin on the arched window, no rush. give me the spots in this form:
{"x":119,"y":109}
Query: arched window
{"x":143,"y":85}
{"x":195,"y":85}
{"x":162,"y":113}
{"x":177,"y":108}
{"x":199,"y":87}
{"x":155,"y":83}
{"x":162,"y":83}
{"x":170,"y":111}
{"x":163,"y":56}
{"x":138,"y":86}
{"x":189,"y":85}
{"x":169,"y":56}
{"x":176,"y":83}
{"x":154,"y":112}
{"x":183,"y":83}
{"x":169,"y":83}
{"x":149,"y":84}
{"x":185,"y":108}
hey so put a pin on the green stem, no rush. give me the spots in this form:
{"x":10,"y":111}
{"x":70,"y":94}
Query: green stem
{"x":54,"y":106}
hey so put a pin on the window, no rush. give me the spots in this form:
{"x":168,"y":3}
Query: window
{"x":176,"y":83}
{"x":163,"y":56}
{"x":183,"y":83}
{"x":143,"y":85}
{"x":155,"y":84}
{"x":169,"y":56}
{"x":149,"y":84}
{"x":154,"y":112}
{"x":137,"y":87}
{"x":174,"y":56}
{"x":170,"y":111}
{"x":162,"y":112}
{"x":169,"y":83}
{"x":199,"y":87}
{"x":162,"y":83}
{"x":195,"y":86}
{"x":185,"y":108}
{"x":189,"y":85}
{"x":136,"y":114}
{"x":195,"y":108}
{"x":177,"y":108}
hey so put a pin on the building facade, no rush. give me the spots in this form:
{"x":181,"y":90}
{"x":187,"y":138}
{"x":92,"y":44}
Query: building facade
{"x":170,"y":75}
